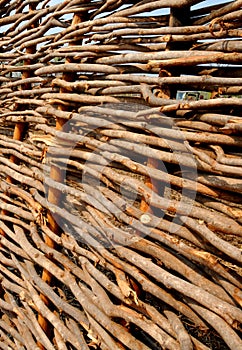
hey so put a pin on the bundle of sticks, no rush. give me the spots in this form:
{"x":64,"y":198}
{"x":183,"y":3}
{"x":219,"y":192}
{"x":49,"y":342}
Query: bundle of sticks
{"x":120,"y":192}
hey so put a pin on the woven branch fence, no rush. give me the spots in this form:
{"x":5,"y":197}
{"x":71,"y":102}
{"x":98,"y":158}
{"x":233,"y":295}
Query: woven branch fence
{"x":120,"y":174}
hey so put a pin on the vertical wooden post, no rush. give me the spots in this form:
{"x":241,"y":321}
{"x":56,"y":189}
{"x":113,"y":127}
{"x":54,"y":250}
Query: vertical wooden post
{"x":54,"y":195}
{"x":152,"y":184}
{"x":178,"y":17}
{"x":21,"y":127}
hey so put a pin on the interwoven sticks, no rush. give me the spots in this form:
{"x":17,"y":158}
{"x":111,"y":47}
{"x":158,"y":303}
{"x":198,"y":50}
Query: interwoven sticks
{"x":120,"y":175}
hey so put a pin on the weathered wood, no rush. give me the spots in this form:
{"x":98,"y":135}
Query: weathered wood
{"x":120,"y":175}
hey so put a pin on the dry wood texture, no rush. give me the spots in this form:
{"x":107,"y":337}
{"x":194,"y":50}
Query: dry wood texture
{"x":120,"y":175}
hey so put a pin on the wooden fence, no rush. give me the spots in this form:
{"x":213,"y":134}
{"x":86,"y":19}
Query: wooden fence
{"x":120,"y":174}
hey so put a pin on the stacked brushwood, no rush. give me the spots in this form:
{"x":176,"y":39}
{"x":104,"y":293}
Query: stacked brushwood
{"x":121,"y":211}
